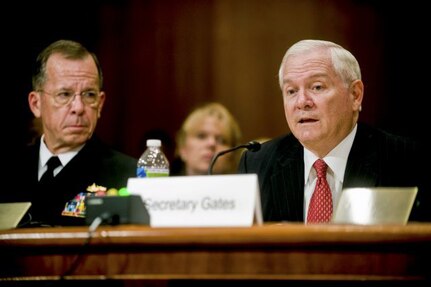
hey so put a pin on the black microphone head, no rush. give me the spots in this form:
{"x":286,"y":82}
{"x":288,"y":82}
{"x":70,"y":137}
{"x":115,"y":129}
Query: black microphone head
{"x":253,"y":146}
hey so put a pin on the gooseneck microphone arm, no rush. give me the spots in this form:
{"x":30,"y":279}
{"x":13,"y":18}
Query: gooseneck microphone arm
{"x":251,"y":146}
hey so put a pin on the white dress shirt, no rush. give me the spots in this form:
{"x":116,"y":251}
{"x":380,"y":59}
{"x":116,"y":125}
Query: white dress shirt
{"x":336,"y":160}
{"x":45,"y":154}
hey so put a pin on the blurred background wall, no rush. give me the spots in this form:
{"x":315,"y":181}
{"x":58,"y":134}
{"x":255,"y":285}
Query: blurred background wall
{"x":161,"y":58}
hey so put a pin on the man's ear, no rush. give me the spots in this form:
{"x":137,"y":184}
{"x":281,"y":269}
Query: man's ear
{"x":34,"y":103}
{"x":101,"y":103}
{"x":357,"y":92}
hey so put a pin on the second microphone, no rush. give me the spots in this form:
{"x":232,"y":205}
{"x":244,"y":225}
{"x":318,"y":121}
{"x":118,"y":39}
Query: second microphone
{"x":251,"y":146}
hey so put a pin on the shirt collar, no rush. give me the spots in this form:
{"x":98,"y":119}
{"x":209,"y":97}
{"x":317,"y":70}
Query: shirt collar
{"x":336,"y":159}
{"x":45,"y":154}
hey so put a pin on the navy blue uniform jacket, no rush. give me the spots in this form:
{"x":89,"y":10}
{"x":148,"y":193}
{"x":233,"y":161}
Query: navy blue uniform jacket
{"x":95,"y":163}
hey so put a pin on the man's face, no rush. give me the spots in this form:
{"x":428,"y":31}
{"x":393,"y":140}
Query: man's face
{"x":68,"y":125}
{"x":319,"y":106}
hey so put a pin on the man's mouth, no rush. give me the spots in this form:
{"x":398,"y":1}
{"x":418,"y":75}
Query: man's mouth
{"x":306,"y":121}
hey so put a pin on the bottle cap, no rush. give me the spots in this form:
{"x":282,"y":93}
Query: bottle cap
{"x":153,"y":142}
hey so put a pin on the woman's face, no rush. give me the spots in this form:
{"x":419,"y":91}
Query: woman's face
{"x":202,"y":142}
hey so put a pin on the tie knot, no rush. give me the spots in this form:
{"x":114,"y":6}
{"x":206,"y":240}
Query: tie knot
{"x":53,"y":163}
{"x":320,"y":166}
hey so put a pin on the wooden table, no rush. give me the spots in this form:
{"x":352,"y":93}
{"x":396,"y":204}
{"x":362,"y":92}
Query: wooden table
{"x":270,"y":254}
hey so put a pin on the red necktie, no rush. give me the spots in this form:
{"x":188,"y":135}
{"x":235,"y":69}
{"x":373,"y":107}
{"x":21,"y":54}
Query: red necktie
{"x":320,"y":207}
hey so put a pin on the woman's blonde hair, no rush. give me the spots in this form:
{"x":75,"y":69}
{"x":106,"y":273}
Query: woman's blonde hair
{"x":232,"y":132}
{"x":212,"y":109}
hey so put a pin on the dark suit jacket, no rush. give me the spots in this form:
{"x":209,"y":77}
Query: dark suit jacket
{"x":95,"y":163}
{"x":376,"y":159}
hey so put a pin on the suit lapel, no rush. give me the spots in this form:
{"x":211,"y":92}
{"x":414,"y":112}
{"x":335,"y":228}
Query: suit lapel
{"x":289,"y":180}
{"x":362,"y":164}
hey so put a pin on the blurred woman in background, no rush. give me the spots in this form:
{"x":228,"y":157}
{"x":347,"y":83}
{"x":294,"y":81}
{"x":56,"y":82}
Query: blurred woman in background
{"x":207,"y":130}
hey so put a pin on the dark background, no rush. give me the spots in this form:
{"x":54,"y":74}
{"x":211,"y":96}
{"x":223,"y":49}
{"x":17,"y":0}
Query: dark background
{"x":161,"y":58}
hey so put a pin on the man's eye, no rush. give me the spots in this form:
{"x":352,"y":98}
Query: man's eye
{"x":64,"y":95}
{"x":89,"y":94}
{"x":317,"y":87}
{"x":290,"y":91}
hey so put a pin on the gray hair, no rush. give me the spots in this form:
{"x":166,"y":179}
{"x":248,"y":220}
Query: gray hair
{"x":70,"y":50}
{"x":344,"y":63}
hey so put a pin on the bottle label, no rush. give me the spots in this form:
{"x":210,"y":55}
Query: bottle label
{"x":152,"y":172}
{"x":157,"y":172}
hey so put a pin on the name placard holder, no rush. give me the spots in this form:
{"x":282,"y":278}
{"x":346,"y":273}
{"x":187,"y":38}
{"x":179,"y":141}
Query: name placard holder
{"x":200,"y":201}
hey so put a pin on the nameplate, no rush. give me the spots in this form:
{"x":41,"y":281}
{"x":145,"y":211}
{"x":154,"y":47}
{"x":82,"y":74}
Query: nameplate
{"x":200,"y":201}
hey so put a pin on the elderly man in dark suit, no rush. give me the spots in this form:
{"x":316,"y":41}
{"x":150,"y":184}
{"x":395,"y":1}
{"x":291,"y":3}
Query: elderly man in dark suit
{"x":322,"y":96}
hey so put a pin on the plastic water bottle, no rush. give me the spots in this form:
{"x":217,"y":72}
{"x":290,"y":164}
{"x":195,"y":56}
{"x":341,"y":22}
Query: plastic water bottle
{"x":153,"y":162}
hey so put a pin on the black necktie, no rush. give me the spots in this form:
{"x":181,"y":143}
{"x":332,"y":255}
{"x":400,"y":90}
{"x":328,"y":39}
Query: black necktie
{"x":53,"y":163}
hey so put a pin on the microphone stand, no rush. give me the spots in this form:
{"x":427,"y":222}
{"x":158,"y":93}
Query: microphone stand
{"x":252,"y":146}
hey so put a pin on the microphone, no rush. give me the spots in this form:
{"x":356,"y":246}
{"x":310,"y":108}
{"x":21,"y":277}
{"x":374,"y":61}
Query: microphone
{"x":251,"y":146}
